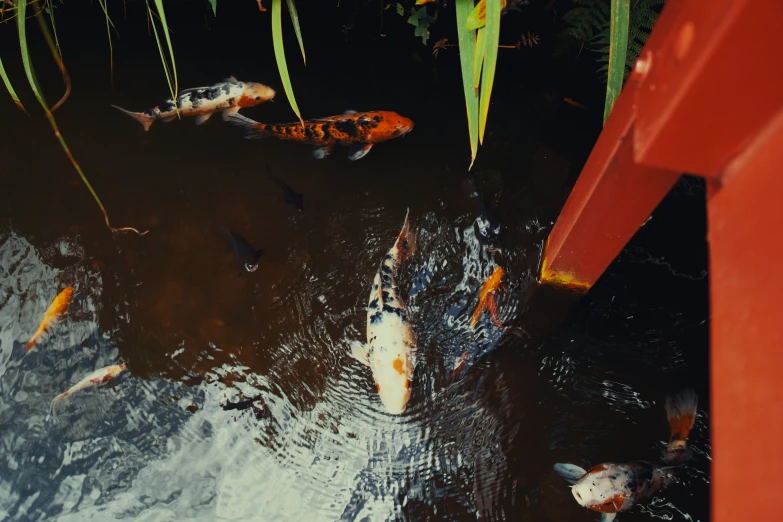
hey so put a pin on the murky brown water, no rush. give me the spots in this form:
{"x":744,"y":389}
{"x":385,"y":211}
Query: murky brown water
{"x":241,"y":400}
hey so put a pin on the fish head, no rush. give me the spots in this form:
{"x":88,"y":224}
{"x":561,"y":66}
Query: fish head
{"x":605,"y":488}
{"x":393,"y":381}
{"x":255,"y":93}
{"x":388,"y":125}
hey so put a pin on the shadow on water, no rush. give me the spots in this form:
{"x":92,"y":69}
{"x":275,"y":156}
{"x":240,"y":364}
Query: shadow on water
{"x":241,"y":400}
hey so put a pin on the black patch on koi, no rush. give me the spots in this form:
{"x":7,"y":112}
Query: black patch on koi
{"x":376,"y":317}
{"x":373,"y":303}
{"x":348,"y":127}
{"x":387,"y":297}
{"x":231,"y":101}
{"x":386,"y":281}
{"x":386,"y":269}
{"x":376,"y":119}
{"x":399,"y":312}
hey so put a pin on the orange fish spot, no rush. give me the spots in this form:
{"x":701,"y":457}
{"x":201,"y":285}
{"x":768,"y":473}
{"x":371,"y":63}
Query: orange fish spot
{"x":397,"y":365}
{"x":610,"y":505}
{"x":377,"y":386}
{"x":597,"y":469}
{"x":247,"y":101}
{"x":407,"y":384}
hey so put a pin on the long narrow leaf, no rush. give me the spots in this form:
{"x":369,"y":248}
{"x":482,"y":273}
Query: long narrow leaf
{"x":52,"y":44}
{"x":478,"y":61}
{"x":492,"y":30}
{"x":297,"y":29}
{"x":111,"y":49}
{"x":277,"y":42}
{"x":10,"y":87}
{"x":54,"y":28}
{"x":467,"y":48}
{"x":618,"y":47}
{"x":30,"y":73}
{"x":174,"y":88}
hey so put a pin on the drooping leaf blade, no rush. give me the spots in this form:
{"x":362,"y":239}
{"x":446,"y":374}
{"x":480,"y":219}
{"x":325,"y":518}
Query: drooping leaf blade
{"x":492,"y":30}
{"x":52,"y":44}
{"x":173,"y":85}
{"x":478,"y":60}
{"x":10,"y":87}
{"x":467,"y":49}
{"x":297,"y":29}
{"x":109,"y":25}
{"x":282,"y":66}
{"x":50,"y":9}
{"x":213,"y":3}
{"x":31,"y":78}
{"x":618,"y":46}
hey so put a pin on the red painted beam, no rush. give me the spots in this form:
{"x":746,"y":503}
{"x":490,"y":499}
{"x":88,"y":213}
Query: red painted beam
{"x":709,"y":80}
{"x":746,"y":248}
{"x":611,"y":199}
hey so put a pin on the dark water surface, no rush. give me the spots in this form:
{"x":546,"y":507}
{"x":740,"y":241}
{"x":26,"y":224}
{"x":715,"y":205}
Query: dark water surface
{"x":241,"y":400}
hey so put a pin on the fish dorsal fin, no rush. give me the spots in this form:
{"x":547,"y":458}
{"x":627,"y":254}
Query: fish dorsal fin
{"x":231,"y":79}
{"x":608,"y":517}
{"x":571,"y":472}
{"x":350,"y":111}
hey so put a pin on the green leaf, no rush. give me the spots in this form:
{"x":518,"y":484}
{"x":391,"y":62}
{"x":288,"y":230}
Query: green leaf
{"x":50,"y":10}
{"x":297,"y":29}
{"x":477,"y":18}
{"x":277,"y":42}
{"x":492,"y":30}
{"x":400,"y":9}
{"x":109,"y":24}
{"x":467,"y":47}
{"x":421,"y":20}
{"x":171,"y":73}
{"x":617,"y":52}
{"x":10,"y":87}
{"x":213,"y":3}
{"x":478,"y":61}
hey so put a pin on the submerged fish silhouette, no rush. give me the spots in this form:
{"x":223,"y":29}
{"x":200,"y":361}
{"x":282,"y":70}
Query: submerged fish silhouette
{"x":245,"y":254}
{"x":487,"y":226}
{"x":290,"y":196}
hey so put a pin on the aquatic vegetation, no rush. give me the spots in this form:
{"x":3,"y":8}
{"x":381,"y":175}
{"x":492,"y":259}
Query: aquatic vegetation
{"x":277,"y":41}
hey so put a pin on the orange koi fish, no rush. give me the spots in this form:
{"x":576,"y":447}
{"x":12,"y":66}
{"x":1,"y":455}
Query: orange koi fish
{"x":609,"y":488}
{"x":97,"y":377}
{"x":487,"y":298}
{"x":53,"y":313}
{"x":227,"y":97}
{"x":390,"y":351}
{"x":573,"y":103}
{"x":358,"y":131}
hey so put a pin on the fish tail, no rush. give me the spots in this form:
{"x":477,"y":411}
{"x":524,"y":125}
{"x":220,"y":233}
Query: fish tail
{"x":29,"y":345}
{"x":405,"y":245}
{"x":681,"y":412}
{"x":60,"y":398}
{"x":145,"y":119}
{"x":253,"y":129}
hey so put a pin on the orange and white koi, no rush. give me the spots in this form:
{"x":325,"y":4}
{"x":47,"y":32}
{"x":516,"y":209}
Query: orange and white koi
{"x":487,"y":298}
{"x":391,"y":342}
{"x":358,"y":131}
{"x":95,"y":378}
{"x":52,"y":315}
{"x":227,"y":97}
{"x":610,"y":488}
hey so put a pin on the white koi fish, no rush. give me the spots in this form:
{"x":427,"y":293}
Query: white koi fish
{"x":610,"y":488}
{"x":95,"y":378}
{"x":227,"y":97}
{"x":391,"y":342}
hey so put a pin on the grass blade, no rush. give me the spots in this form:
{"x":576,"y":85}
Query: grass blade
{"x":295,"y":20}
{"x":213,"y":3}
{"x":111,"y":49}
{"x":277,"y":42}
{"x":30,"y":73}
{"x":58,"y":60}
{"x":10,"y":87}
{"x":467,"y":49}
{"x":618,"y":47}
{"x":492,"y":30}
{"x":54,"y":29}
{"x":170,"y":72}
{"x":478,"y":61}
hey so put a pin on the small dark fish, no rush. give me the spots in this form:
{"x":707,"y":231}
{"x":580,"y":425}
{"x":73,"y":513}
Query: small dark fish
{"x":487,"y":226}
{"x":245,"y":254}
{"x":290,"y":196}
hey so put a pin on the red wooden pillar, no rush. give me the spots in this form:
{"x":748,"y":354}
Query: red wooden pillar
{"x":706,"y":98}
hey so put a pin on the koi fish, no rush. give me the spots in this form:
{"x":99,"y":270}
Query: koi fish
{"x":246,"y":255}
{"x":391,"y":342}
{"x":610,"y":488}
{"x":487,"y":298}
{"x":289,"y":195}
{"x":358,"y":131}
{"x":573,"y":103}
{"x":97,"y":377}
{"x":487,"y":227}
{"x":52,"y":315}
{"x":202,"y":102}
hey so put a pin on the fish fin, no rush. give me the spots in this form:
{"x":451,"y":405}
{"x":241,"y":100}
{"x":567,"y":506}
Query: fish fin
{"x":459,"y":366}
{"x":608,"y":517}
{"x":358,"y":150}
{"x":201,"y":118}
{"x":145,"y":119}
{"x":350,"y":111}
{"x":63,"y":397}
{"x":29,"y":345}
{"x":681,"y":413}
{"x":253,"y":129}
{"x":571,"y":472}
{"x":406,"y":241}
{"x":231,"y":79}
{"x":360,"y":352}
{"x":168,"y":119}
{"x":492,"y":305}
{"x":230,"y":112}
{"x":322,"y":152}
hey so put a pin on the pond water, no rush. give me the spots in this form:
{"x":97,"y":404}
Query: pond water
{"x":241,"y":400}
